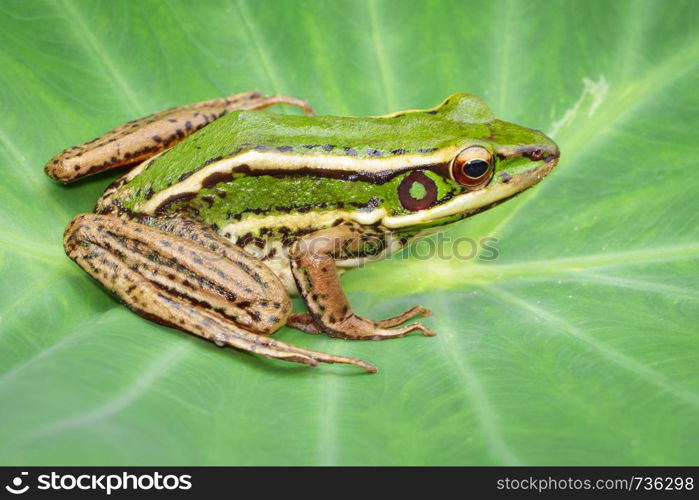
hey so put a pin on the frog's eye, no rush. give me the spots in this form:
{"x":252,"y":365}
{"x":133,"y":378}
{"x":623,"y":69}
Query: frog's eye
{"x":472,"y":167}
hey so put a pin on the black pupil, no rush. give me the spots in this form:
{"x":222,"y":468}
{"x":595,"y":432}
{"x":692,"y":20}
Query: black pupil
{"x":476,"y":168}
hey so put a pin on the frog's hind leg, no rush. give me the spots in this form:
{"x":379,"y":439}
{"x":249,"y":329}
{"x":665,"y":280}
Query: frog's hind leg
{"x":185,"y":277}
{"x":141,"y":139}
{"x":315,"y":272}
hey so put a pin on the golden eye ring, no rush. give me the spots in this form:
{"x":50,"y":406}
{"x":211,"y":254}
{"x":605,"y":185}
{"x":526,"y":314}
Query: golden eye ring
{"x":472,"y":167}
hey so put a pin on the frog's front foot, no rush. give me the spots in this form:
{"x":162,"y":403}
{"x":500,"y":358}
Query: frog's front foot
{"x":315,"y":272}
{"x":358,"y":328}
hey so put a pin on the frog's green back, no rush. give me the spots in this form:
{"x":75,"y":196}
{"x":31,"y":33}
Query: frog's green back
{"x":415,"y":132}
{"x":254,"y":163}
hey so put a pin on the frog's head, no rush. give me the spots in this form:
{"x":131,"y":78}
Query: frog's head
{"x":486,"y":162}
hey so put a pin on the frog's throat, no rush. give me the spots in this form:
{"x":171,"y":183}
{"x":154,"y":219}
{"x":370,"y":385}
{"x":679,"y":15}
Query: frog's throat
{"x":474,"y":201}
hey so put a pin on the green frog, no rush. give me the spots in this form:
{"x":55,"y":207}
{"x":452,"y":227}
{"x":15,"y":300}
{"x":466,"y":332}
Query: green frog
{"x":229,"y":210}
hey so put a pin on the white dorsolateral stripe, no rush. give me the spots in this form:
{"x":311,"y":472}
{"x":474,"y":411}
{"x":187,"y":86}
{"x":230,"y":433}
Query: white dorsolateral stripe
{"x":268,"y":160}
{"x":317,"y":220}
{"x":286,"y":161}
{"x":136,"y":171}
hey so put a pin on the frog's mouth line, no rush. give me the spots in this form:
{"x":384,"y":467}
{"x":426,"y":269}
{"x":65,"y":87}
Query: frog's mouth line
{"x":474,"y":201}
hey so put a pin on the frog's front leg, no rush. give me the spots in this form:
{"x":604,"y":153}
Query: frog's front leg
{"x":181,"y":274}
{"x":305,"y":321}
{"x":141,"y":139}
{"x":315,"y":272}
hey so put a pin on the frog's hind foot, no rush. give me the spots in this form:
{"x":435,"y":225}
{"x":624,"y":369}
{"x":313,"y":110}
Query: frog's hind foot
{"x":181,"y":274}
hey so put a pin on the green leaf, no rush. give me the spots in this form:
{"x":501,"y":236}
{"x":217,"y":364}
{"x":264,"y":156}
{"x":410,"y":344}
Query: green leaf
{"x":578,"y":344}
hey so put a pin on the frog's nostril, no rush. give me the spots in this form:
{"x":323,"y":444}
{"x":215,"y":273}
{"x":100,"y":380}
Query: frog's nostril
{"x":537,"y":155}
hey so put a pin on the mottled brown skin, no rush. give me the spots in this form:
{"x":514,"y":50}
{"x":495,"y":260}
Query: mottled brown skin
{"x":181,"y":273}
{"x":138,"y":140}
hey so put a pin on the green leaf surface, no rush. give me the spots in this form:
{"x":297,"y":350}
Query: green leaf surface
{"x":579,"y":344}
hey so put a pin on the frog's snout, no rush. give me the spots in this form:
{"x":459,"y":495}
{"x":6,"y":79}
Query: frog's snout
{"x":547,"y":152}
{"x":552,"y":153}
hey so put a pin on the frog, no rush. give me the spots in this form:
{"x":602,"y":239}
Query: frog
{"x":226,"y":210}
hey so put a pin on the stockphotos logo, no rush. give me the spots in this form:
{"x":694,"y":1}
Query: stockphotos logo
{"x":16,"y":487}
{"x":106,"y":483}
